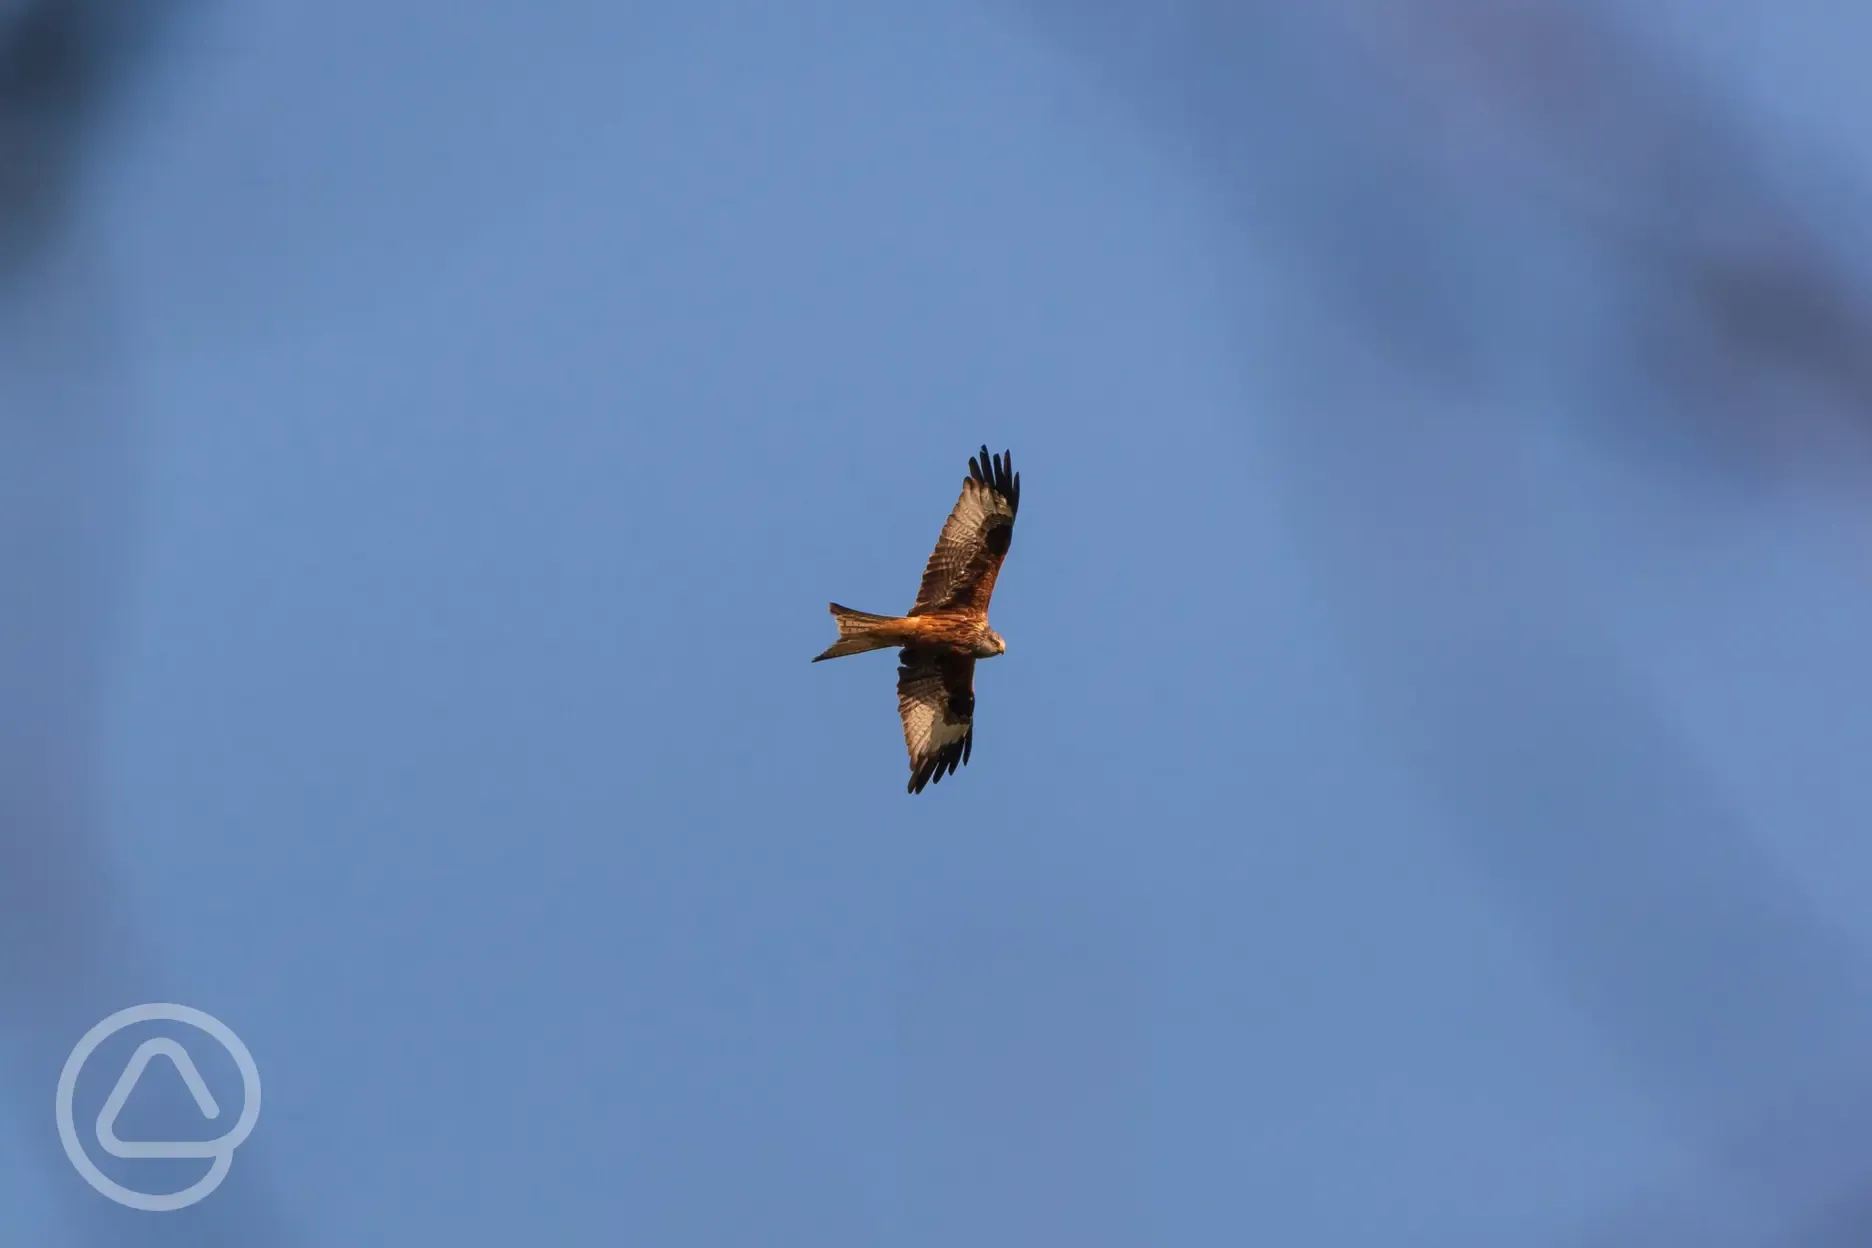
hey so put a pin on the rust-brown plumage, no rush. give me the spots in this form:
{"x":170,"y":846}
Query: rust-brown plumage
{"x":947,"y":629}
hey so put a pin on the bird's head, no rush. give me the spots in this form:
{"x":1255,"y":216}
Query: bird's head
{"x":991,"y":645}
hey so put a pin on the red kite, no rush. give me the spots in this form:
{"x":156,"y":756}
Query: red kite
{"x":947,"y":629}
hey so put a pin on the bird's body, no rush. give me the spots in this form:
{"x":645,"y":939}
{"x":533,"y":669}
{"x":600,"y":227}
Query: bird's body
{"x":947,"y":630}
{"x":953,"y":631}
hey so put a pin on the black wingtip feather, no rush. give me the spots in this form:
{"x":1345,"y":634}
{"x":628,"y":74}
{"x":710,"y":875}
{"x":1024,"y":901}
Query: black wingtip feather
{"x":997,"y":473}
{"x":942,"y":763}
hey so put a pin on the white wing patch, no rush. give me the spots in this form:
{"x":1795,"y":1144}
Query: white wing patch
{"x":943,"y":733}
{"x":928,"y":728}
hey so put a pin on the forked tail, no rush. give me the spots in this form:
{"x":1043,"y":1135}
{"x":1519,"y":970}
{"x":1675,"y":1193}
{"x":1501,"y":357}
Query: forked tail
{"x":860,"y":631}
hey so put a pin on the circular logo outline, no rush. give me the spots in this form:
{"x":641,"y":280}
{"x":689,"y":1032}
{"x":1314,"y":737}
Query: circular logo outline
{"x":222,"y":1149}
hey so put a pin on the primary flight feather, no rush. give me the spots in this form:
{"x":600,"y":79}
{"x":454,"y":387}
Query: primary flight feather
{"x":947,"y":629}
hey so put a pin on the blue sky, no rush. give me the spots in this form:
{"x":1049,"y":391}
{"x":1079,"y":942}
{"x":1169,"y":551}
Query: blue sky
{"x":506,"y":398}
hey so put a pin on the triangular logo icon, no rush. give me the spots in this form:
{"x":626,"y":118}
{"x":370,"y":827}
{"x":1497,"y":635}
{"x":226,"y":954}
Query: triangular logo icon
{"x":184,"y":1065}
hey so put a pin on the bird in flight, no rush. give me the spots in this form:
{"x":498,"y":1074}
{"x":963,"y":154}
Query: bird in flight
{"x":947,"y":629}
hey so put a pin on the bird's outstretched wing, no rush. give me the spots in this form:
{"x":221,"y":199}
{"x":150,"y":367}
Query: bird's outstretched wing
{"x":936,"y":698}
{"x":962,"y":569}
